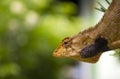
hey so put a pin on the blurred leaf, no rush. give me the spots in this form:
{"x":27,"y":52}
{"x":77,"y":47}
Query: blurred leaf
{"x":9,"y":69}
{"x":29,"y":33}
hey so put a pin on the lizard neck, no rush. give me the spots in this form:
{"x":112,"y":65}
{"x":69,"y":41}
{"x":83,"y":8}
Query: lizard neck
{"x":109,"y":26}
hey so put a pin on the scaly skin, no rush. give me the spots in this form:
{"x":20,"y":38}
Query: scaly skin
{"x":88,"y":45}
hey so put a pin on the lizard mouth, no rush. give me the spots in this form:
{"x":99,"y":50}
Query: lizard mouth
{"x":61,"y":52}
{"x":65,"y":52}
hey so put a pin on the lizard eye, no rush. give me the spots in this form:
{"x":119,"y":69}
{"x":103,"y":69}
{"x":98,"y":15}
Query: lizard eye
{"x":66,"y":42}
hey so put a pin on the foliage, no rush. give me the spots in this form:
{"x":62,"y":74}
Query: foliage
{"x":29,"y":32}
{"x":102,"y":8}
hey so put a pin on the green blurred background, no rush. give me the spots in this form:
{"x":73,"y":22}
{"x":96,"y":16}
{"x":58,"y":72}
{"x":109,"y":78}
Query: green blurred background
{"x":30,"y":30}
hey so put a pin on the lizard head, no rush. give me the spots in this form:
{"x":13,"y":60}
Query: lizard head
{"x":75,"y":47}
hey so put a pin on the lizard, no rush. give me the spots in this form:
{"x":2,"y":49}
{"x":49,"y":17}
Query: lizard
{"x":89,"y":45}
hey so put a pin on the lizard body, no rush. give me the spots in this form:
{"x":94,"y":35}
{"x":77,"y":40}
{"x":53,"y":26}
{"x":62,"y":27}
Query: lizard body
{"x":88,"y":45}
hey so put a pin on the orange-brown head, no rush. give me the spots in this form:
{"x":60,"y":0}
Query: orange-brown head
{"x":72,"y":47}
